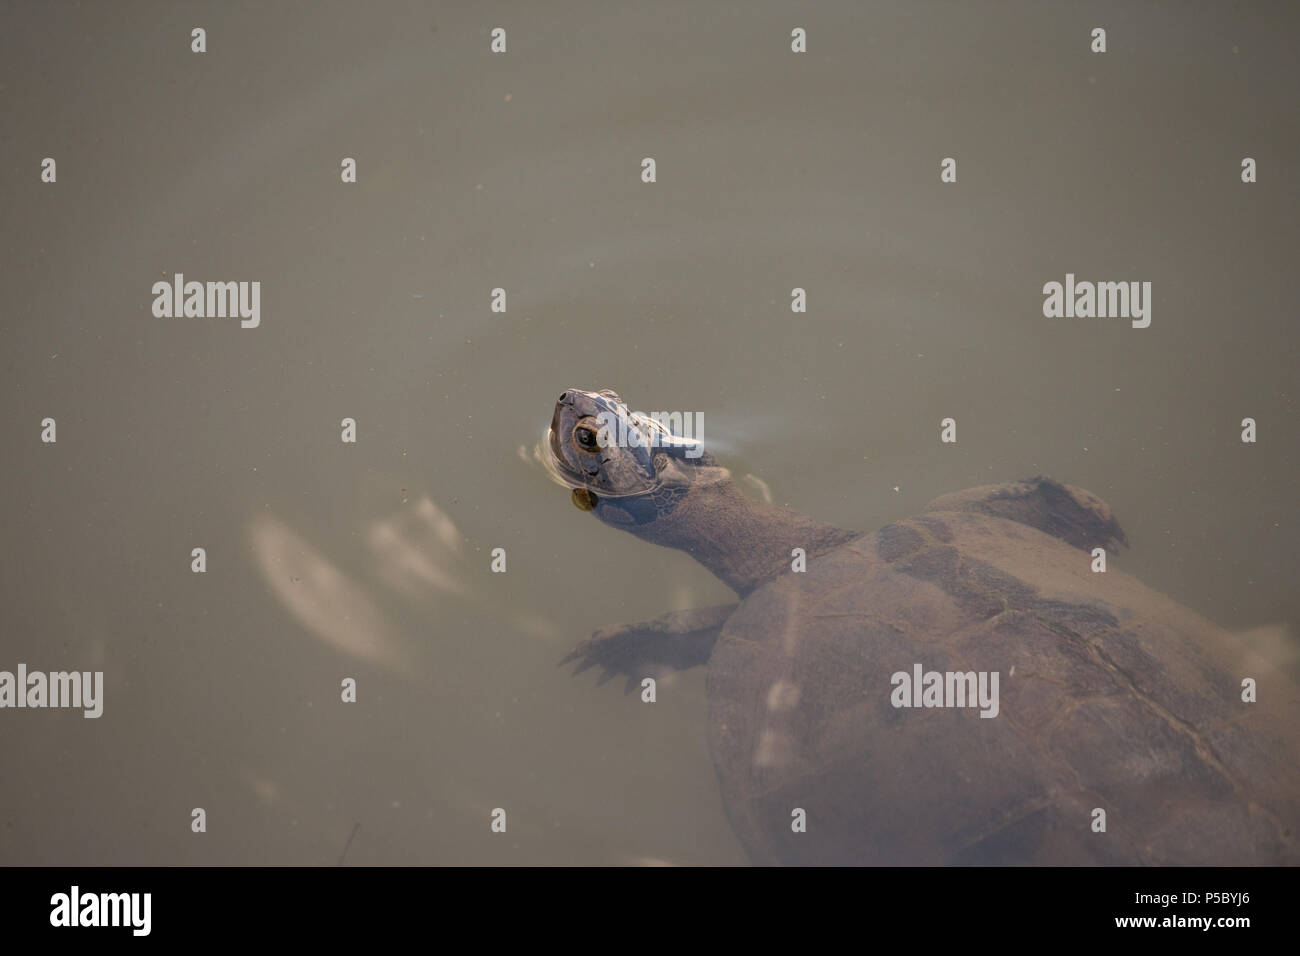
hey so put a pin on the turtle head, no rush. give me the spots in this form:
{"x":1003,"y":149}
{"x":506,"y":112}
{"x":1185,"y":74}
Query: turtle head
{"x":627,"y":467}
{"x":632,"y":471}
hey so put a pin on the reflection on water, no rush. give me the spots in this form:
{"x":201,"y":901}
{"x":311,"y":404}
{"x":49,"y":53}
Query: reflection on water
{"x":321,"y":598}
{"x":415,"y":552}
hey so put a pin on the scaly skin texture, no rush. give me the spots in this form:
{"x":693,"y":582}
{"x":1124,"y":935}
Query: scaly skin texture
{"x":743,"y":542}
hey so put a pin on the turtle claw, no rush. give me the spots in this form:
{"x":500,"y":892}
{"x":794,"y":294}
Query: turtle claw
{"x":615,"y":649}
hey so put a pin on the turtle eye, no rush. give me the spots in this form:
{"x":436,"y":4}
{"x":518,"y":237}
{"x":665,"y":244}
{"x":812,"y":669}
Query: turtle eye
{"x":586,"y":438}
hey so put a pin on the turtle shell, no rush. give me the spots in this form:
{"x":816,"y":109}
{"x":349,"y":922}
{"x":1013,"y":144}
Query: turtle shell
{"x":1111,"y":697}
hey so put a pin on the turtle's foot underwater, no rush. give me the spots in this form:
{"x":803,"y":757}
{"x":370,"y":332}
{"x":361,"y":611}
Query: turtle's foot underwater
{"x":674,"y":642}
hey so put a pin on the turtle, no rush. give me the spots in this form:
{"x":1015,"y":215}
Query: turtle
{"x":1101,"y":722}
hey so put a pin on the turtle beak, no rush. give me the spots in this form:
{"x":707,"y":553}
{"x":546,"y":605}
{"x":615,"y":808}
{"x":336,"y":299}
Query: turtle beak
{"x":557,"y":427}
{"x":573,"y":405}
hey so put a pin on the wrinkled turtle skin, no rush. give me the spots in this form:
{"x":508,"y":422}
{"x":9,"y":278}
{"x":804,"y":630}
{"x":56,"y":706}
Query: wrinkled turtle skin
{"x":1111,"y":696}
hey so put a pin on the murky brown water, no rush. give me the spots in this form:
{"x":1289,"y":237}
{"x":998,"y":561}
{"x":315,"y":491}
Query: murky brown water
{"x":522,"y":171}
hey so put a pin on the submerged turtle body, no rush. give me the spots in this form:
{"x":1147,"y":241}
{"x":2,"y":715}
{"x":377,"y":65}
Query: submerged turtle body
{"x":1113,"y":704}
{"x":1111,"y":697}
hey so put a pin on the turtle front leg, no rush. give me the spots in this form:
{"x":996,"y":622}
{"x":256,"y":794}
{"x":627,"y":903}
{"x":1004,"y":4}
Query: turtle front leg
{"x":674,"y":642}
